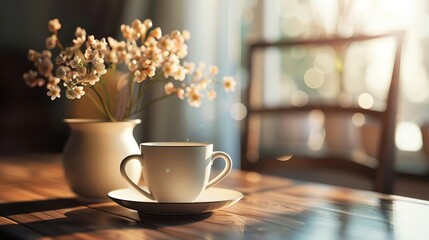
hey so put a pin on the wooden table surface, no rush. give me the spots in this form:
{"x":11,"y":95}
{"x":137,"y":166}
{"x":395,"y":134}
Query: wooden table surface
{"x":36,"y":203}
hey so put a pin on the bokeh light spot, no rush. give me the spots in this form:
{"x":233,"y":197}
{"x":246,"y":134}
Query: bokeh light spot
{"x":314,"y":78}
{"x":358,"y":119}
{"x":365,"y":100}
{"x":238,"y":111}
{"x":299,"y":98}
{"x":324,"y":62}
{"x":408,"y":137}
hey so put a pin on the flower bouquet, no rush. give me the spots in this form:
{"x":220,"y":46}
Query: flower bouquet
{"x":145,"y":57}
{"x":85,"y":69}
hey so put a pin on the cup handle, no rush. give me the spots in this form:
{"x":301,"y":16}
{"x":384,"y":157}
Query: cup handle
{"x":129,"y":181}
{"x":225,"y":171}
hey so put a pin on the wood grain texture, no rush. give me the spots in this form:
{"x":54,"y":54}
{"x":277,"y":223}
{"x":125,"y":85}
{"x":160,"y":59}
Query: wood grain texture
{"x":36,"y":203}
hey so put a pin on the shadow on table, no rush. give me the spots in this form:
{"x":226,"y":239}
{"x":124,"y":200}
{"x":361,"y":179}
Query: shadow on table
{"x":15,"y":208}
{"x":156,"y":220}
{"x":67,"y":216}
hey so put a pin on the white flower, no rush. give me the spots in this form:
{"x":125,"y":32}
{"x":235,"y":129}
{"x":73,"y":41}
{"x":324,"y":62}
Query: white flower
{"x":54,"y":25}
{"x":169,"y":69}
{"x":45,"y":67}
{"x":150,"y":71}
{"x":32,"y":80}
{"x":139,"y":76}
{"x":60,"y":59}
{"x":173,"y":59}
{"x":54,"y":92}
{"x":80,"y":32}
{"x":99,"y":45}
{"x":75,"y":62}
{"x":147,"y":23}
{"x":79,"y":92}
{"x":91,"y":54}
{"x":78,"y":42}
{"x":72,"y":75}
{"x":180,"y":74}
{"x":166,"y":44}
{"x":194,"y":97}
{"x":181,"y":93}
{"x":32,"y":55}
{"x":51,"y":42}
{"x":53,"y":82}
{"x":190,"y":66}
{"x":46,"y":54}
{"x":91,"y":40}
{"x":128,"y":32}
{"x":150,"y":42}
{"x":169,"y":88}
{"x":156,"y":33}
{"x":132,"y":65}
{"x":91,"y":78}
{"x":157,"y":59}
{"x":204,"y":83}
{"x":229,"y":84}
{"x":62,"y":72}
{"x":139,"y":28}
{"x":214,"y":70}
{"x":182,"y":51}
{"x":81,"y":69}
{"x":211,"y":95}
{"x":75,"y":92}
{"x":175,"y":34}
{"x":198,"y":74}
{"x":186,"y":35}
{"x":116,"y":45}
{"x":99,"y":67}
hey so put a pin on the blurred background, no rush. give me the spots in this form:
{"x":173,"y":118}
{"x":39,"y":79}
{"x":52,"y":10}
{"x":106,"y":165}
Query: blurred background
{"x":220,"y":33}
{"x":31,"y":122}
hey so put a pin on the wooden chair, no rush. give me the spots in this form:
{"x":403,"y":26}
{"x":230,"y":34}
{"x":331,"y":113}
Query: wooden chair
{"x":381,"y":173}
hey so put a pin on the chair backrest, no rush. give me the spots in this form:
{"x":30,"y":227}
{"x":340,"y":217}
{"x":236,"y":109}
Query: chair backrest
{"x":381,"y":171}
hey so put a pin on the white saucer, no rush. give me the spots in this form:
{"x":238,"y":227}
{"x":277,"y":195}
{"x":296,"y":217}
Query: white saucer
{"x":212,"y":199}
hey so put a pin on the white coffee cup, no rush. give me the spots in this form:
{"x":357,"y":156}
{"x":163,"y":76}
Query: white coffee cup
{"x":176,"y":171}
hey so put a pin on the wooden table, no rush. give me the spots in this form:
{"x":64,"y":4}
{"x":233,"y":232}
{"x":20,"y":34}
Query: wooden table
{"x":36,"y":203}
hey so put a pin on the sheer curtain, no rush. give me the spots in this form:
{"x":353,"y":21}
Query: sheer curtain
{"x":215,"y":40}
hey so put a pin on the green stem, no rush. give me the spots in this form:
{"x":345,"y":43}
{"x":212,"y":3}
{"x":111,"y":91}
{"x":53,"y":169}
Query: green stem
{"x":130,"y":96}
{"x":96,"y":104}
{"x":135,"y":101}
{"x":139,"y":96}
{"x":111,"y":117}
{"x":145,"y":89}
{"x":111,"y":72}
{"x":107,"y":95}
{"x":60,"y":46}
{"x":150,"y":103}
{"x":141,"y":92}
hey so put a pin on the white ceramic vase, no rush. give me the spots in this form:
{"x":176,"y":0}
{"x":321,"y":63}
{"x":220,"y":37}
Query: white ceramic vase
{"x":93,"y":154}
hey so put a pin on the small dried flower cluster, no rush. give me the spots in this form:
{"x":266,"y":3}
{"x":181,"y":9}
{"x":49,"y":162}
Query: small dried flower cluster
{"x":145,"y":52}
